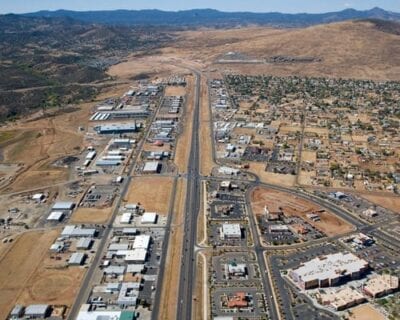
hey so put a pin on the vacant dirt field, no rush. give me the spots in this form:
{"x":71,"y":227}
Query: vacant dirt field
{"x":52,"y":286}
{"x":144,"y":67}
{"x":389,"y":202}
{"x":184,"y":139}
{"x":206,"y":152}
{"x":309,"y":156}
{"x":175,"y":91}
{"x":258,"y":168}
{"x":153,"y":193}
{"x":91,"y":215}
{"x":170,"y":285}
{"x":19,"y":263}
{"x":366,"y":312}
{"x":292,"y":205}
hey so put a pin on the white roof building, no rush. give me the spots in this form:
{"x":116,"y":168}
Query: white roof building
{"x":96,"y":315}
{"x":63,"y":205}
{"x":141,"y":242}
{"x":135,"y":268}
{"x":237,"y":269}
{"x":77,"y":258}
{"x":37,"y":310}
{"x":115,"y":270}
{"x":151,"y":167}
{"x":84,"y":243}
{"x":128,"y":294}
{"x":77,"y":232}
{"x":38,"y":197}
{"x":228,"y":171}
{"x":328,"y":270}
{"x":231,"y":230}
{"x":149,"y":218}
{"x":126,"y":218}
{"x":55,"y":216}
{"x":118,"y":246}
{"x":136,"y":256}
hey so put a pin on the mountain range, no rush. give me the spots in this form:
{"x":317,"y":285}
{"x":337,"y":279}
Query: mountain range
{"x":210,"y":17}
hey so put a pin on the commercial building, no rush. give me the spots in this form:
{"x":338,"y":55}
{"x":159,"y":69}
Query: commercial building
{"x":77,"y":259}
{"x":55,"y":216}
{"x":118,"y":246}
{"x":329,"y":270}
{"x":126,"y":218}
{"x":228,"y":171}
{"x":63,"y":206}
{"x":57,"y":246}
{"x":237,"y":270}
{"x":381,"y":285}
{"x":278,"y":228}
{"x":38,"y":197}
{"x":152,"y":167}
{"x":128,"y":294}
{"x":37,"y":311}
{"x":231,"y":231}
{"x":149,"y":218}
{"x":128,"y":112}
{"x":116,"y":128}
{"x":106,"y":315}
{"x":78,"y":232}
{"x":136,"y":256}
{"x":342,"y":299}
{"x":108,"y":163}
{"x":17,"y":311}
{"x":118,"y":270}
{"x":129,"y":231}
{"x":142,"y":242}
{"x":239,"y":300}
{"x":91,"y":155}
{"x":84,"y":243}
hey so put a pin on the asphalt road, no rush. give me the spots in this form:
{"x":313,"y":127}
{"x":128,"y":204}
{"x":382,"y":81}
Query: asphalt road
{"x":192,"y":207}
{"x":268,"y":290}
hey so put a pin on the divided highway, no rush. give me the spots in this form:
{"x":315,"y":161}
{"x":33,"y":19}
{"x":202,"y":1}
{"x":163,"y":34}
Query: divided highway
{"x":192,"y":207}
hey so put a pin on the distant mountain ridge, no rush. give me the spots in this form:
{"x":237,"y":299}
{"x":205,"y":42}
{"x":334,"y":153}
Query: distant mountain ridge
{"x":209,"y":17}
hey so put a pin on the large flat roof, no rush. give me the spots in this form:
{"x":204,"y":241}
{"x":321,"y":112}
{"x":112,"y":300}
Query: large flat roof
{"x":63,"y":205}
{"x":141,"y":242}
{"x":330,"y":266}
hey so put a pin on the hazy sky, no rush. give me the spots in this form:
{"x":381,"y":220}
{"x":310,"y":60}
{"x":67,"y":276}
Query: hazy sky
{"x":289,"y":6}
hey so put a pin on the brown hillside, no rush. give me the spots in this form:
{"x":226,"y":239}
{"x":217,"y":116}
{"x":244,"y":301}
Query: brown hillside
{"x":350,"y":49}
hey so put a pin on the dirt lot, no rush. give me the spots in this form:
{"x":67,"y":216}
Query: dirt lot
{"x":258,"y":168}
{"x":206,"y":152}
{"x":91,"y":215}
{"x":291,"y":205}
{"x":175,"y":91}
{"x":19,"y":266}
{"x":153,"y":193}
{"x":184,"y":139}
{"x":57,"y":286}
{"x":170,"y":286}
{"x":366,"y":312}
{"x":389,"y":202}
{"x":309,"y":156}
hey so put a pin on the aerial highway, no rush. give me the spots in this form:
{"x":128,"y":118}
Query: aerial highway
{"x":192,"y":207}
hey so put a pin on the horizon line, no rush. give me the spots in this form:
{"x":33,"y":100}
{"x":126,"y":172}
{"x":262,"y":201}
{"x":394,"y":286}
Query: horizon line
{"x":193,"y":9}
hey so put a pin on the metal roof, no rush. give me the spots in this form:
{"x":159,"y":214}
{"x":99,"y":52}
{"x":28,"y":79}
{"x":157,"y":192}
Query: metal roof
{"x":37,"y":309}
{"x":77,"y":258}
{"x":63,"y":205}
